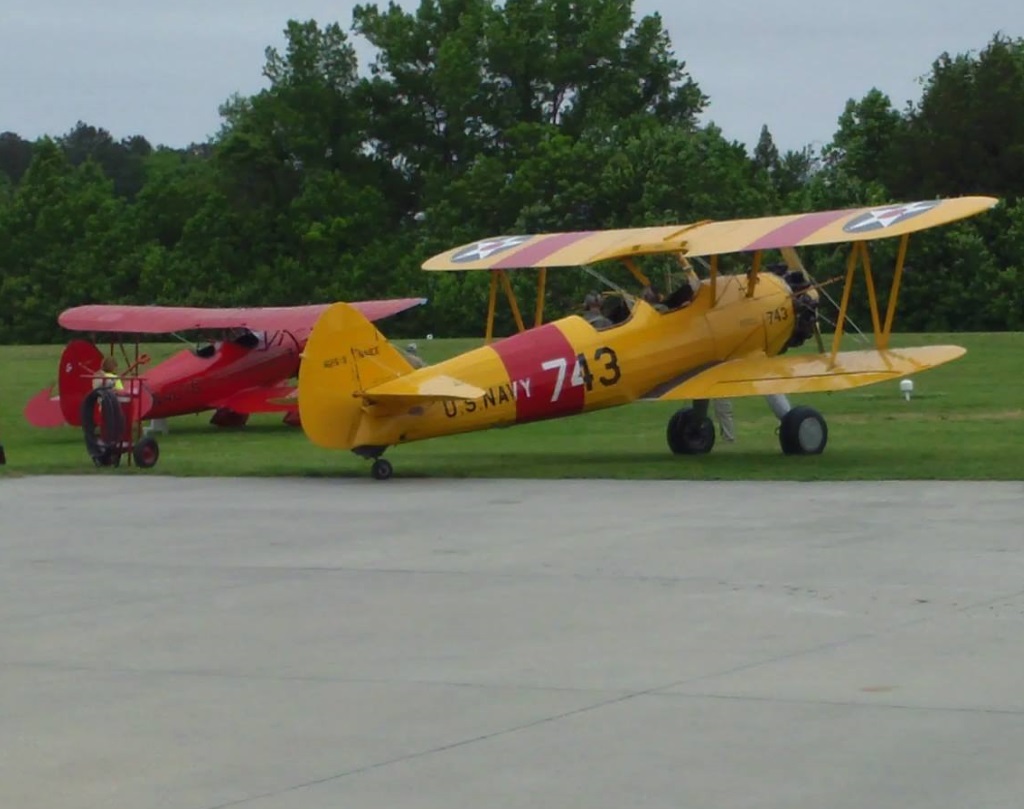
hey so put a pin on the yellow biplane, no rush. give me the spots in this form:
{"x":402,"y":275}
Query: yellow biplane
{"x":722,"y":336}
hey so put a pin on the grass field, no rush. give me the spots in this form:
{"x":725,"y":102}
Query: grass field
{"x":965,"y":421}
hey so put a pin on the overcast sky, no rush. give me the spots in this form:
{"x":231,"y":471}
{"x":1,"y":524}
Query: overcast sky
{"x":160,"y":69}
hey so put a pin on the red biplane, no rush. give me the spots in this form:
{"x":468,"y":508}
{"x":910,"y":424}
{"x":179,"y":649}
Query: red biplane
{"x":244,"y":369}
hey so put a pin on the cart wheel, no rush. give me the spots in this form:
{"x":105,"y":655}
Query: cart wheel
{"x":146,"y":452}
{"x":381,"y":469}
{"x":106,"y":455}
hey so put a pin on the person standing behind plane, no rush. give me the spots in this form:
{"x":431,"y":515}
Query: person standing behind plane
{"x":107,"y":377}
{"x":778,"y":402}
{"x":412,"y":355}
{"x":723,"y":414}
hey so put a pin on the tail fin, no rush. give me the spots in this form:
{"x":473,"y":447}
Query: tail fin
{"x":79,"y":363}
{"x":344,"y":356}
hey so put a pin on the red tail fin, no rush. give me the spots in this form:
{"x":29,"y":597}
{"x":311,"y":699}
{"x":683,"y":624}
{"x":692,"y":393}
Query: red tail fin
{"x":79,"y":363}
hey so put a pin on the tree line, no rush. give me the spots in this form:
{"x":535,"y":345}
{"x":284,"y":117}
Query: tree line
{"x":476,"y":119}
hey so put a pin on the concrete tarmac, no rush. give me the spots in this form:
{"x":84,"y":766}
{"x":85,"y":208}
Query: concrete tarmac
{"x":432,"y":644}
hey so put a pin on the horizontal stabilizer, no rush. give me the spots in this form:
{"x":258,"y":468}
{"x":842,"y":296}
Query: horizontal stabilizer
{"x":807,"y":373}
{"x":43,"y":409}
{"x":430,"y":389}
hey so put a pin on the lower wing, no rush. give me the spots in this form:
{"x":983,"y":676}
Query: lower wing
{"x":275,"y":399}
{"x":806,"y":373}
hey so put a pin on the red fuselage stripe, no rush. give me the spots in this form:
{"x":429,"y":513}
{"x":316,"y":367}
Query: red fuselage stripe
{"x":540,"y":364}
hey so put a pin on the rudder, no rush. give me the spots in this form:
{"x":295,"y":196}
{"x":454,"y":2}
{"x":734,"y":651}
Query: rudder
{"x":344,"y":356}
{"x":79,"y":364}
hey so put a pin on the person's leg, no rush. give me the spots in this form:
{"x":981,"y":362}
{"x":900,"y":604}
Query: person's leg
{"x":726,"y":424}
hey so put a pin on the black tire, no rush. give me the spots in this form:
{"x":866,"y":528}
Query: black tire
{"x":803,"y":431}
{"x":103,"y":440}
{"x":146,"y":453}
{"x":381,"y":469}
{"x":690,"y":433}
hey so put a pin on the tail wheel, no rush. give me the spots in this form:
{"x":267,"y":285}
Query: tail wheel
{"x":226,"y":417}
{"x":803,"y":431}
{"x":381,"y":469}
{"x":690,"y":433}
{"x":146,"y":452}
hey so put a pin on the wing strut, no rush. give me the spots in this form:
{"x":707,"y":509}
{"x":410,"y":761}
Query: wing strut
{"x":636,"y":272}
{"x":538,"y":312}
{"x":859,"y":254}
{"x":869,"y":280}
{"x":500,"y":276}
{"x":755,"y":269}
{"x":512,"y":299}
{"x":894,"y":292}
{"x":492,"y":302}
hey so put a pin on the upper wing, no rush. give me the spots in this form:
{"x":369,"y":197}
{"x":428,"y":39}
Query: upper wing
{"x":805,"y":373}
{"x":170,"y":319}
{"x":707,"y":238}
{"x":831,"y":227}
{"x":555,"y":249}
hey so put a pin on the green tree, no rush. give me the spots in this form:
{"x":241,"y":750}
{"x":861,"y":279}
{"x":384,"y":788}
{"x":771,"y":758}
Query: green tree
{"x":429,"y":102}
{"x":65,"y":239}
{"x":15,"y":156}
{"x":966,"y":135}
{"x":766,"y":153}
{"x":862,"y":147}
{"x":121,"y":161}
{"x":454,"y":80}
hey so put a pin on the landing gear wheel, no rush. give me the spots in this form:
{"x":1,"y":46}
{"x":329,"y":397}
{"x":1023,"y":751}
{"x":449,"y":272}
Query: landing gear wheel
{"x":146,"y":452}
{"x":690,"y":433}
{"x":381,"y":469}
{"x":803,"y":431}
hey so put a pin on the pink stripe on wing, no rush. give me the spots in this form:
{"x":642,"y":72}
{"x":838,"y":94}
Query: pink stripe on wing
{"x":793,"y":232}
{"x":529,"y":256}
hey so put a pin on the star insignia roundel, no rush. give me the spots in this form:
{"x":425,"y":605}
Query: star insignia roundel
{"x":487,"y":248}
{"x":879,"y":218}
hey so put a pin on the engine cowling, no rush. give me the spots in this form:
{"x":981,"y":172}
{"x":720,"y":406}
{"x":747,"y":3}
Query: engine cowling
{"x":805,"y":308}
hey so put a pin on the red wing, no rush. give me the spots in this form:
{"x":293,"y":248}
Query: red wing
{"x":279,"y":398}
{"x":170,"y":319}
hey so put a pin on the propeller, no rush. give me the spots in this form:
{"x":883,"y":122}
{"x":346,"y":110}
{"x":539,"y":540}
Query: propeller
{"x":802,"y":299}
{"x":794,"y":263}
